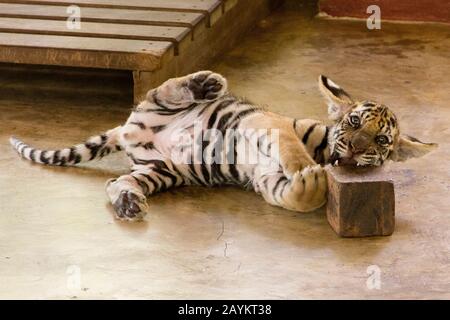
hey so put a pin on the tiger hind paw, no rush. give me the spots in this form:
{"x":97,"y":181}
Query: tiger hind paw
{"x":206,"y":86}
{"x":130,"y":206}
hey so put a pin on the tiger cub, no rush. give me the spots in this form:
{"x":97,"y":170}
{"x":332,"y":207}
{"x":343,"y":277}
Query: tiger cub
{"x":191,"y":131}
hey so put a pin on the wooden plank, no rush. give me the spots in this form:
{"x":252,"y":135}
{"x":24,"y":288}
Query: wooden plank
{"x":211,"y":8}
{"x":124,"y":16}
{"x":84,"y":52}
{"x":166,"y":5}
{"x":97,"y":30}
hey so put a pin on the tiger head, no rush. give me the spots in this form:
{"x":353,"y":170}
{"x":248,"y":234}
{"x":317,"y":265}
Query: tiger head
{"x":365,"y":133}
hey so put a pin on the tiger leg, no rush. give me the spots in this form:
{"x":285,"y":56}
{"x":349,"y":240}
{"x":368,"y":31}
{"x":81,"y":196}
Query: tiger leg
{"x":128,"y":192}
{"x":199,"y":87}
{"x":280,"y":142}
{"x":292,"y":153}
{"x":304,"y":192}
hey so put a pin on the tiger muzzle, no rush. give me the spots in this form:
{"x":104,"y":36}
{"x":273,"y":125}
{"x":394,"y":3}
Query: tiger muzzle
{"x":360,"y":143}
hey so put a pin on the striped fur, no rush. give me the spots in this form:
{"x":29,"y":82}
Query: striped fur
{"x":286,"y":172}
{"x":95,"y":147}
{"x":365,"y":133}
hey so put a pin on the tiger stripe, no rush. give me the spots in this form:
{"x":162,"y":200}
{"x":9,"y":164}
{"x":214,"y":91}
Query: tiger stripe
{"x":296,"y":181}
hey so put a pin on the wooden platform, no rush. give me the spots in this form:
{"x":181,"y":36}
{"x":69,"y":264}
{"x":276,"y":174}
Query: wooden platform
{"x":155,"y":39}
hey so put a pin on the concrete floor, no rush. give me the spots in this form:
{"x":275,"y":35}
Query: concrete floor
{"x":56,"y":227}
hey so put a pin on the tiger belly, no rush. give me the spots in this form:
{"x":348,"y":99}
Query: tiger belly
{"x":206,"y":145}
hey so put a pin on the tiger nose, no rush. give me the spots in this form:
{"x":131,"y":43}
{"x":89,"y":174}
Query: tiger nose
{"x":359,"y":143}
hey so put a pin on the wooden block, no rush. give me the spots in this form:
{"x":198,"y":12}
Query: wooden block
{"x":361,"y":202}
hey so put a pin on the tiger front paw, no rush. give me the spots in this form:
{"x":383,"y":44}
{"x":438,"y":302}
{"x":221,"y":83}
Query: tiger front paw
{"x":308,"y":189}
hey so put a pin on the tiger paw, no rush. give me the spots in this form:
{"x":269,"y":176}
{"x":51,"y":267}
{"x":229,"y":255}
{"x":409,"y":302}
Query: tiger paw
{"x":206,"y":86}
{"x":308,"y":189}
{"x":130,"y":206}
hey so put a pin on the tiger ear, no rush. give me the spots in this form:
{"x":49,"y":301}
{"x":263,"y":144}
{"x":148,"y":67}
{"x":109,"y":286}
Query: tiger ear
{"x":339,"y":102}
{"x":409,"y":147}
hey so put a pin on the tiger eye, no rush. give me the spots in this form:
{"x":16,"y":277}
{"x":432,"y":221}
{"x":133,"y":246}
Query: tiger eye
{"x":354,"y":121}
{"x":382,"y":140}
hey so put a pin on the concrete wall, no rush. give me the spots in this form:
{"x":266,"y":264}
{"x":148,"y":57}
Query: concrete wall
{"x":412,"y":10}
